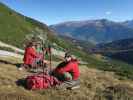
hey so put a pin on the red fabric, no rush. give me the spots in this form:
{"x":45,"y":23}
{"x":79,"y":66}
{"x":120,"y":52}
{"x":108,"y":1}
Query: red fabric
{"x":41,"y":81}
{"x":71,"y":67}
{"x":29,"y":55}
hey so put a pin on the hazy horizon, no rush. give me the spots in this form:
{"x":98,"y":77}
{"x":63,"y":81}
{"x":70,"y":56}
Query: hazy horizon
{"x":53,"y":12}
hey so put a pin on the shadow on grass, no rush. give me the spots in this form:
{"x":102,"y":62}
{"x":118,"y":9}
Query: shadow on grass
{"x":8,"y":62}
{"x":21,"y":82}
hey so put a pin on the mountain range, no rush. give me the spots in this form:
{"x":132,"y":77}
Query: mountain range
{"x":124,"y":44}
{"x":95,"y":31}
{"x":120,"y":50}
{"x":128,"y":23}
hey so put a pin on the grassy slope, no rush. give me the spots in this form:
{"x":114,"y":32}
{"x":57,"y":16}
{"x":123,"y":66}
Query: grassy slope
{"x":95,"y":85}
{"x":121,"y":68}
{"x":14,"y":27}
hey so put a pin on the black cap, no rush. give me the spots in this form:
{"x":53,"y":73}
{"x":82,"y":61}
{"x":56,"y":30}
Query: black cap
{"x":68,"y":54}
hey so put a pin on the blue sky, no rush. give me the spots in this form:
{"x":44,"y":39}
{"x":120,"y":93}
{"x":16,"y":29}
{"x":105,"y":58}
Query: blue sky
{"x":55,"y":11}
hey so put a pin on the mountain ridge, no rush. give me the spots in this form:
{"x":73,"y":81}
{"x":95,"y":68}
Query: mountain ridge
{"x":96,"y":31}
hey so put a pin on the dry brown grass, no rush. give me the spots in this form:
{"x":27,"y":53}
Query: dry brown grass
{"x":95,"y":85}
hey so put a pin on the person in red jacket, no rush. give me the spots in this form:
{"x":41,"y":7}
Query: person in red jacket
{"x":68,"y":72}
{"x":31,"y":56}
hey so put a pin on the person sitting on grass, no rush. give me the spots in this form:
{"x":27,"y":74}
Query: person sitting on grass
{"x":31,"y":56}
{"x":68,"y":73}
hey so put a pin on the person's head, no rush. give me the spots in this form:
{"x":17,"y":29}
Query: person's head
{"x":68,"y":57}
{"x":32,"y":44}
{"x":38,"y":45}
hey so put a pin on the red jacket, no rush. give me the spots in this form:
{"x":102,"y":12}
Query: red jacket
{"x":29,"y":55}
{"x":71,"y":67}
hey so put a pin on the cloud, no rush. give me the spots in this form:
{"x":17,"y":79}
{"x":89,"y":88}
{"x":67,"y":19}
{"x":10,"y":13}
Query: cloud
{"x":108,"y":12}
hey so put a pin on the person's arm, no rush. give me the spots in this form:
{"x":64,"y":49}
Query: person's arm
{"x":33,"y":53}
{"x":66,"y":68}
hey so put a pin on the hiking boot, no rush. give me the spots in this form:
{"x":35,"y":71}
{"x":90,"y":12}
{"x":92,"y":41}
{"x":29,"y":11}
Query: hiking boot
{"x":74,"y":87}
{"x":61,"y":87}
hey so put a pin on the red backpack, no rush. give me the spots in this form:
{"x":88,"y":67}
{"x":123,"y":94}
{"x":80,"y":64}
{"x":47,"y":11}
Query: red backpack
{"x":41,"y":81}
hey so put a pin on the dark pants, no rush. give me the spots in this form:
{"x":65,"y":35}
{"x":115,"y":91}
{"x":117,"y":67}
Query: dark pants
{"x":67,"y":81}
{"x":69,"y":84}
{"x":63,"y":77}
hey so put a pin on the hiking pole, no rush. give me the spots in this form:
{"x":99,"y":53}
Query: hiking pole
{"x":50,"y":57}
{"x":43,"y":64}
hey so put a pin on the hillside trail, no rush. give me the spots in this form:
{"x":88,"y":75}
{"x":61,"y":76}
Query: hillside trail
{"x":2,"y":44}
{"x":95,"y":84}
{"x":16,"y":50}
